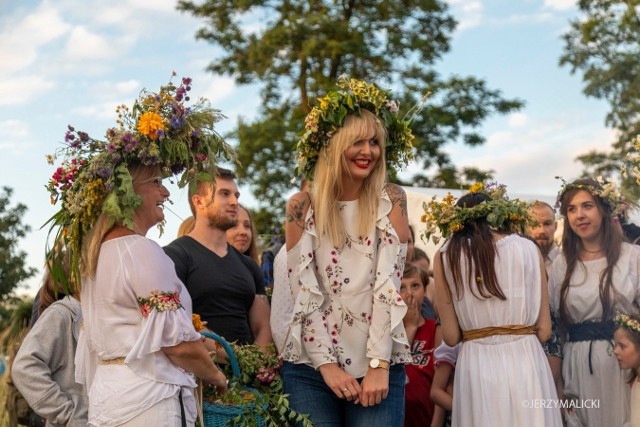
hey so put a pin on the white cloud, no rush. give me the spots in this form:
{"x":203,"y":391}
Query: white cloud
{"x":102,"y":111}
{"x":117,"y":90}
{"x":529,"y":159}
{"x":20,"y":90}
{"x":219,"y":88}
{"x":518,"y":120}
{"x":468,"y":13}
{"x":83,"y":45}
{"x":14,"y":136}
{"x":23,"y":36}
{"x":559,"y":4}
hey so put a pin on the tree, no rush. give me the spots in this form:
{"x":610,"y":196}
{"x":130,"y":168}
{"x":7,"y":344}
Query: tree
{"x":300,"y":49}
{"x":12,"y":261}
{"x":604,"y":44}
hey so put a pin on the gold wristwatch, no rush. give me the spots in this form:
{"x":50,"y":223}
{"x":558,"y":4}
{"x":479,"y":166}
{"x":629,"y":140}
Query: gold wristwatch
{"x":379,"y":363}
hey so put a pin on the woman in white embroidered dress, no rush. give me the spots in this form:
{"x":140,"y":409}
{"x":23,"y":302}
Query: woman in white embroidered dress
{"x":138,"y":348}
{"x":597,"y":275}
{"x":346,"y":244}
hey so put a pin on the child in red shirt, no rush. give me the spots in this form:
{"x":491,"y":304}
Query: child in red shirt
{"x":421,"y":333}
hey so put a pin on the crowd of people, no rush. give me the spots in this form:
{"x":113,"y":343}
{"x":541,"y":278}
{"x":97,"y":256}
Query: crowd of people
{"x":506,"y":327}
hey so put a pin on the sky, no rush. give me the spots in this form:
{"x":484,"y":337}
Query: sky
{"x":69,"y":62}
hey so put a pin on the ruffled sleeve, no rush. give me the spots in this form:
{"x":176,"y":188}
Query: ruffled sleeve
{"x":387,"y":336}
{"x":165,"y":309}
{"x":308,"y":328}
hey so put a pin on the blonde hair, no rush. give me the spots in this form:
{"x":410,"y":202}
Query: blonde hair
{"x":187,"y":226}
{"x":104,"y":224}
{"x":327,"y":182}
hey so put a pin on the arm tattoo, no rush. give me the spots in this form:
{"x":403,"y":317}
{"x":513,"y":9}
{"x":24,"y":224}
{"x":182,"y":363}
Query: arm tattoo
{"x":295,"y":212}
{"x":397,"y":197}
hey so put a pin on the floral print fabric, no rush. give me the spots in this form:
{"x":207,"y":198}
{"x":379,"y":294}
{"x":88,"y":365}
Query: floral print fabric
{"x":347,"y":305}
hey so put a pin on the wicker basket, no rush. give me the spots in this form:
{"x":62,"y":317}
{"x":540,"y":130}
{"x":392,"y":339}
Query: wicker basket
{"x":219,"y":414}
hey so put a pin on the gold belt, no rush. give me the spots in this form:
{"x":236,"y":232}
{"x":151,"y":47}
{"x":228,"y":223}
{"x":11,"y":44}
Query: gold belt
{"x":116,"y":361}
{"x":474,"y":334}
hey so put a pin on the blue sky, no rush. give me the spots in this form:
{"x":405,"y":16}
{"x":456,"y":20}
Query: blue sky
{"x":69,"y":62}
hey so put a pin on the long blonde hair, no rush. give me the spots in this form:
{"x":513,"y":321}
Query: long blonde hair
{"x":104,"y":224}
{"x":327,"y":182}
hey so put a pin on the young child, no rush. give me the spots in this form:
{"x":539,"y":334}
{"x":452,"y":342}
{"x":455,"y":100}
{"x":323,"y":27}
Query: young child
{"x":627,"y":351}
{"x":442,"y":387}
{"x":421,"y":333}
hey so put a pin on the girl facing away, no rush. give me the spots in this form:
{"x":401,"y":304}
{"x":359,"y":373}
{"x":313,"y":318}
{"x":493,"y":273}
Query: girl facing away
{"x":627,"y":351}
{"x":596,"y":275}
{"x":346,"y":245}
{"x":491,"y":293}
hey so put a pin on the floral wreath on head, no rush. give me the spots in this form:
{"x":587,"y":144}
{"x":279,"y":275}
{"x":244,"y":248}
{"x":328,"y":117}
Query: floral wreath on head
{"x":327,"y":118}
{"x":628,"y":322}
{"x":502,"y":213}
{"x":93,"y":178}
{"x":607,"y":192}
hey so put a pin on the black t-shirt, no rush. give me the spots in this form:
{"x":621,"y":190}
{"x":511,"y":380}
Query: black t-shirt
{"x":222,"y":288}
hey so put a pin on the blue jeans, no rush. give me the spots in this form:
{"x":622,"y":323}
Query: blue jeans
{"x":308,"y":394}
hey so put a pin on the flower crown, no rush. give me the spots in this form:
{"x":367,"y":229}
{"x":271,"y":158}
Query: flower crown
{"x":628,"y":322}
{"x":160,"y":129}
{"x":607,"y":191}
{"x":326,"y":118}
{"x":500,"y":212}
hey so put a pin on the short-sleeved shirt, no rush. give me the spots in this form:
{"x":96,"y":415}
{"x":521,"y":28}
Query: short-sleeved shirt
{"x":222,"y":288}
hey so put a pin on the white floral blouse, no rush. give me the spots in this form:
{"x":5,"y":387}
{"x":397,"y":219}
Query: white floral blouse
{"x":348,"y":307}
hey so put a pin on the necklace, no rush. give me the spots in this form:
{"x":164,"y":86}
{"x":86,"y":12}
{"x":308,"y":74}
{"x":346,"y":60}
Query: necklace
{"x":592,"y":252}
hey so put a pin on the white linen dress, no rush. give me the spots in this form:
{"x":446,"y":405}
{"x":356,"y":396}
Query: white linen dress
{"x":144,"y":389}
{"x":606,"y":385}
{"x":503,"y":380}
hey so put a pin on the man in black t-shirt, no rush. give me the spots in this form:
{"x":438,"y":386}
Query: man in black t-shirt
{"x":226,"y":286}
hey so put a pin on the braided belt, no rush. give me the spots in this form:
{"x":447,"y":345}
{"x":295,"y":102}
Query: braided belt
{"x":116,"y":361}
{"x":474,"y":334}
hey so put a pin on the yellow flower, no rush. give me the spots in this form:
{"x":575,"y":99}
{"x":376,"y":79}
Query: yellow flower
{"x":197,"y":323}
{"x":476,"y":188}
{"x":456,"y":226}
{"x":149,"y":124}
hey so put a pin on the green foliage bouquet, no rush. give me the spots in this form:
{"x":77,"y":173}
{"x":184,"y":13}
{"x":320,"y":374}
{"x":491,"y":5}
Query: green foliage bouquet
{"x":501,"y":212}
{"x":259,"y":372}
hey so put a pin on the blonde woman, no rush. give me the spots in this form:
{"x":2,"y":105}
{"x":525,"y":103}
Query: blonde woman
{"x":346,"y":242}
{"x":138,"y":352}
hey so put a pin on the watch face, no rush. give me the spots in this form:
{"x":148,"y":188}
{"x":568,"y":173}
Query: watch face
{"x":374,"y":363}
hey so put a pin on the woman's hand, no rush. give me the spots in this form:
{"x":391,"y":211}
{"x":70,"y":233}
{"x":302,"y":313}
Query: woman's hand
{"x":375,"y":387}
{"x":219,"y":381}
{"x":344,"y":386}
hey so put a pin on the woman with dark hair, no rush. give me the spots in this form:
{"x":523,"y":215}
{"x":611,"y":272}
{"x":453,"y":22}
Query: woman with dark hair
{"x":491,"y":292}
{"x":597,"y":275}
